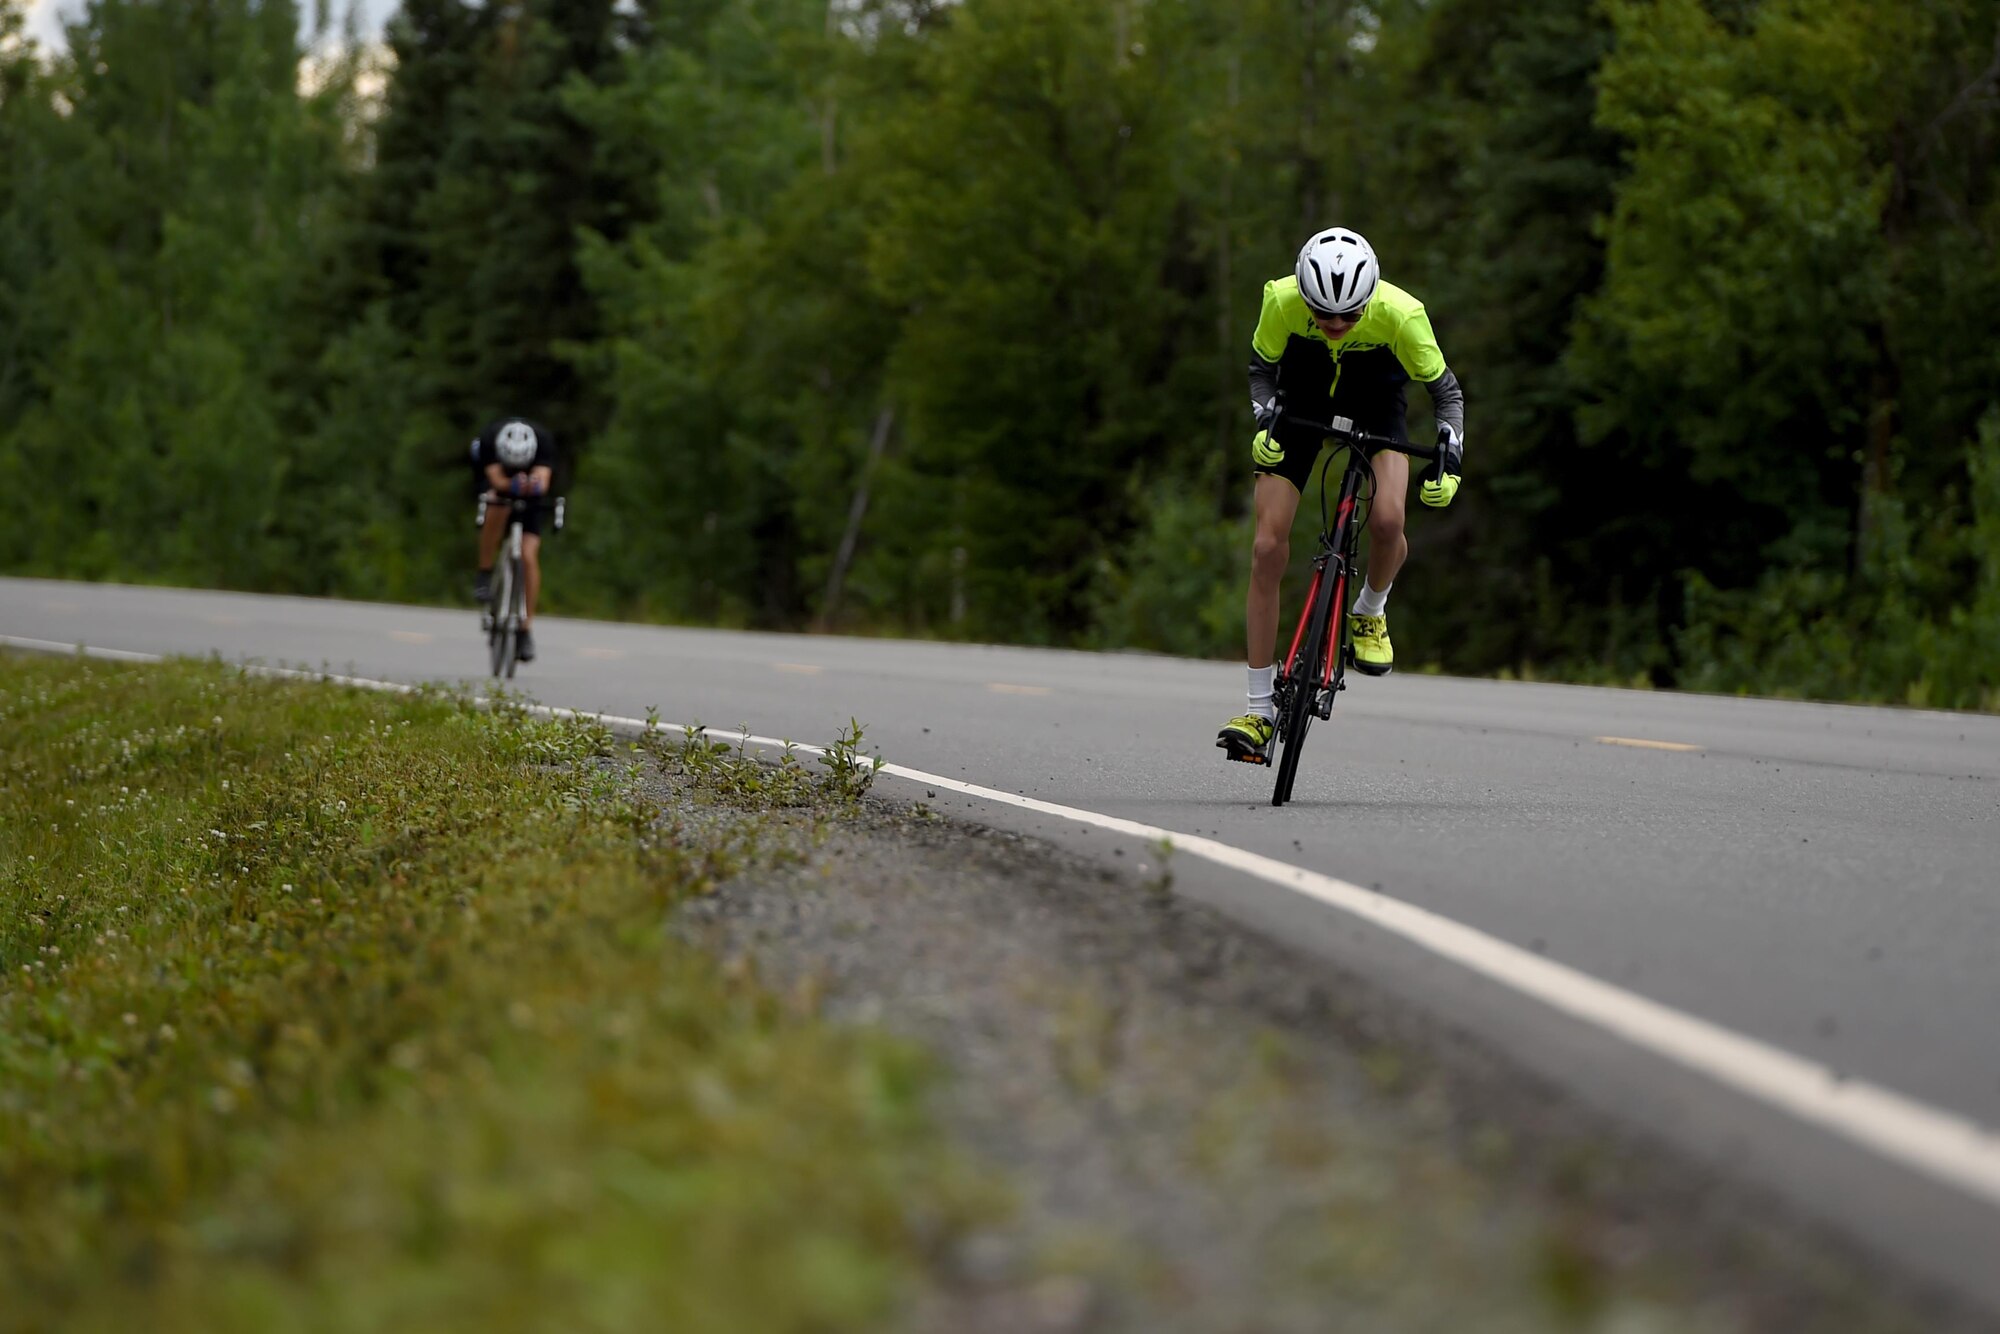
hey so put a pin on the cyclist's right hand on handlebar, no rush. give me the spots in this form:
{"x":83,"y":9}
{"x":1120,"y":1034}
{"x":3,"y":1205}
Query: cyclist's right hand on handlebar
{"x":1266,"y":450}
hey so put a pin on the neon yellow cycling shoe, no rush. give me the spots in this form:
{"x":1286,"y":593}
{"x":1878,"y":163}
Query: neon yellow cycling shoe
{"x":1372,"y":654}
{"x":1247,"y":737}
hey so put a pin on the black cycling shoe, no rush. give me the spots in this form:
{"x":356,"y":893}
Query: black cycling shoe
{"x":524,"y":647}
{"x":482,"y":587}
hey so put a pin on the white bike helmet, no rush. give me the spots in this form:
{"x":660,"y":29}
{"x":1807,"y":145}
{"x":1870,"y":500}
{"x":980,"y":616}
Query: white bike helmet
{"x":515,"y":445}
{"x":1337,"y":272}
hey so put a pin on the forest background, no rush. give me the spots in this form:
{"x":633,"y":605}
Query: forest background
{"x":906,"y":317}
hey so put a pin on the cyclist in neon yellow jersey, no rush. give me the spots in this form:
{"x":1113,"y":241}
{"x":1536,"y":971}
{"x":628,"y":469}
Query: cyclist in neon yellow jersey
{"x":1333,"y":339}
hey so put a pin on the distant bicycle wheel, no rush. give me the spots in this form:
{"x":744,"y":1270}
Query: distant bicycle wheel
{"x":517,"y":608}
{"x":500,"y":638}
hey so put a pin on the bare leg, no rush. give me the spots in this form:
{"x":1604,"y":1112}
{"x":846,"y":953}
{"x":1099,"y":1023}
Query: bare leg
{"x":531,"y":562}
{"x":1276,"y":502}
{"x":1387,"y":547}
{"x":490,"y":535}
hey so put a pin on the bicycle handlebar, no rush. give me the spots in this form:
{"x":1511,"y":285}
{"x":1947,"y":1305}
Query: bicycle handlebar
{"x":544,"y":501}
{"x":1342,"y":428}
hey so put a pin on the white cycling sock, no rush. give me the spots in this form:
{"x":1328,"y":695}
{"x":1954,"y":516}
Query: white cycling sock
{"x":1371,"y":601}
{"x":1263,"y":682}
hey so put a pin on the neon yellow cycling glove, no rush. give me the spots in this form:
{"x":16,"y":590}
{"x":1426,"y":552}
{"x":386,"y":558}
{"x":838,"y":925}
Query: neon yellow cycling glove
{"x":1441,"y":478}
{"x":1267,"y":452}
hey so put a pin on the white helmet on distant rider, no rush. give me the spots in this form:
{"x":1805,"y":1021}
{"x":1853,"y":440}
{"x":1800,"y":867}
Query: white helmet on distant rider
{"x":1337,"y":272}
{"x":515,"y":445}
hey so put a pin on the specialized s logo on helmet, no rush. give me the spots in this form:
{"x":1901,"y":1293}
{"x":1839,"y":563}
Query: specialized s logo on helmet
{"x":1337,"y":272}
{"x":515,"y":445}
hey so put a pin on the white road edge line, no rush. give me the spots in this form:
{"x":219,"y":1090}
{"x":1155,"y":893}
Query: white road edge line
{"x":1940,"y":1144}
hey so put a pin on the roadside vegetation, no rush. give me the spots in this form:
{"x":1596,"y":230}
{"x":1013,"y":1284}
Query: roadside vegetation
{"x":329,"y":1010}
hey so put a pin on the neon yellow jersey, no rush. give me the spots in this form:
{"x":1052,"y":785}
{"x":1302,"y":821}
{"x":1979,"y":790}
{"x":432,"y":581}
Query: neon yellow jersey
{"x":1394,"y":322}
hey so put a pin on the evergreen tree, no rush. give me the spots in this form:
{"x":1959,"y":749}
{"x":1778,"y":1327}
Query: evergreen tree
{"x":186,"y":192}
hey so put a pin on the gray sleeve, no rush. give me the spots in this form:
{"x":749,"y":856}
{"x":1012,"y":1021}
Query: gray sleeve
{"x":1264,"y":386}
{"x":1448,"y":402}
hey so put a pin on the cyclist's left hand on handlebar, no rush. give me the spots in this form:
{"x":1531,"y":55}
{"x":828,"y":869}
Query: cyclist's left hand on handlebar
{"x":1267,"y":452}
{"x":1441,"y":478}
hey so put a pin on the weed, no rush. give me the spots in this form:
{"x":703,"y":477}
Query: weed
{"x":730,"y":774}
{"x":851,"y":772}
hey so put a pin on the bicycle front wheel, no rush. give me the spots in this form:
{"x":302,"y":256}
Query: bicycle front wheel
{"x":517,"y":610}
{"x":1296,"y":715}
{"x":500,"y":639}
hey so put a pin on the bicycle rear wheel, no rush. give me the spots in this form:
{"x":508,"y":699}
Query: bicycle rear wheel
{"x":1296,"y":714}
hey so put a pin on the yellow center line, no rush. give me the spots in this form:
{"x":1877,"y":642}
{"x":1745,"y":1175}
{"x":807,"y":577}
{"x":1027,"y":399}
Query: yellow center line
{"x":411,"y":636}
{"x":1008,"y":688}
{"x":1643,"y":744}
{"x":799,"y":668}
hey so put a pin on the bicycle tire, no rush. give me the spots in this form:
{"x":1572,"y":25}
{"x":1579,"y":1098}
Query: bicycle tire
{"x":1295,"y":720}
{"x":497,"y":638}
{"x":516,"y":610}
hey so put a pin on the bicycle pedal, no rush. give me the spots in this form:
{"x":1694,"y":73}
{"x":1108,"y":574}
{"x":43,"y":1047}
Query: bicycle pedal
{"x":1241,"y":754}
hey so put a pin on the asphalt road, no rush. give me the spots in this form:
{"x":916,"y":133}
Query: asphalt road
{"x":1822,"y":878}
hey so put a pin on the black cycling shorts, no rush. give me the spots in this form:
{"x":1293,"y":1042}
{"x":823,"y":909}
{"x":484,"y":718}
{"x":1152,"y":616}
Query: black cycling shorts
{"x":531,"y":515}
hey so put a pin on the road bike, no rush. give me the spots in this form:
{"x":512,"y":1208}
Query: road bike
{"x":505,"y":616}
{"x":1314,"y":671}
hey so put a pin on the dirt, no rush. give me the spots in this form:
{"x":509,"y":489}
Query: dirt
{"x":1202,"y":1130}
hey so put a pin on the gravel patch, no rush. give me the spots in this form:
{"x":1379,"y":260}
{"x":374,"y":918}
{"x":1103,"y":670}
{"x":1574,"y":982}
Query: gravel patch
{"x":1201,"y":1130}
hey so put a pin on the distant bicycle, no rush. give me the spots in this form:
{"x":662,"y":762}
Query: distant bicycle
{"x":1314,"y":670}
{"x":505,"y":617}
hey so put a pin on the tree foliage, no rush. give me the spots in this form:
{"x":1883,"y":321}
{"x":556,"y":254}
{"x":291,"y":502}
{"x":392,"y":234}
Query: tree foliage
{"x":929,"y":317}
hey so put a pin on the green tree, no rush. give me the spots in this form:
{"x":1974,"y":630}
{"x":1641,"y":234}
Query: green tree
{"x":188,"y":191}
{"x":1752,"y":348}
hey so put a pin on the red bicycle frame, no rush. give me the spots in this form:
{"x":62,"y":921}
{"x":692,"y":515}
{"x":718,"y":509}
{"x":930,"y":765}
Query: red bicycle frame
{"x":1339,"y":601}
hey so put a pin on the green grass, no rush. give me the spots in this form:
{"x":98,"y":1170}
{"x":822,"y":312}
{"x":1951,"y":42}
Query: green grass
{"x":328,"y":1010}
